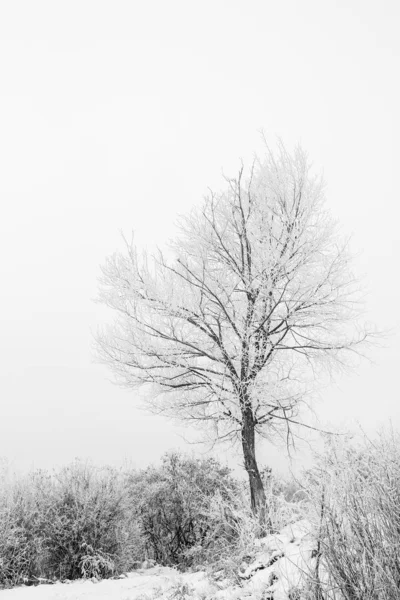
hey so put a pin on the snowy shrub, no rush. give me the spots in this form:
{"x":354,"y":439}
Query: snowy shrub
{"x":285,"y":501}
{"x":95,"y":563}
{"x":173,"y":506}
{"x":84,"y":510}
{"x":75,"y":523}
{"x":22,"y":552}
{"x":232,"y":538}
{"x":357,"y":496}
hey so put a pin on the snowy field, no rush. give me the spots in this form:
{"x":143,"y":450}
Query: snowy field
{"x":154,"y":583}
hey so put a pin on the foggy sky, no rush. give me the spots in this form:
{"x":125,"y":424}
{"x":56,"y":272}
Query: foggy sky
{"x":118,"y":115}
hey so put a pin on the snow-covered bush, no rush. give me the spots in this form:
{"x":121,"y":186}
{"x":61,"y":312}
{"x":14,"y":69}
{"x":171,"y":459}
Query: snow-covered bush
{"x":22,"y":551}
{"x":74,"y":523}
{"x":173,"y":506}
{"x":356,"y":491}
{"x":84,"y":507}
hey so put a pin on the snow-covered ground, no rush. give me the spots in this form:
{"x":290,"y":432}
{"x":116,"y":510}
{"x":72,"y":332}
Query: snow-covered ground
{"x":276,"y":573}
{"x":158,"y":582}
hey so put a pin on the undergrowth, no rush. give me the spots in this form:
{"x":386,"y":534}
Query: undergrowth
{"x":85,"y":522}
{"x":356,"y":496}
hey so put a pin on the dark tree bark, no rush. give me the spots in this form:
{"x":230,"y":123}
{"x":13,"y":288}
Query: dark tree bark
{"x":257,"y":493}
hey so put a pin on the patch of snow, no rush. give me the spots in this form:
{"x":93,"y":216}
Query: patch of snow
{"x":284,"y":562}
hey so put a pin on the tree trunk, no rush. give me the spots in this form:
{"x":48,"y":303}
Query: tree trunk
{"x":257,"y":492}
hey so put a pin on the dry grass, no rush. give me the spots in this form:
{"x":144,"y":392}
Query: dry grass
{"x":356,"y":493}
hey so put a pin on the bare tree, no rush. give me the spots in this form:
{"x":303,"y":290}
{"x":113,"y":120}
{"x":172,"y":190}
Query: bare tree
{"x":228,"y":329}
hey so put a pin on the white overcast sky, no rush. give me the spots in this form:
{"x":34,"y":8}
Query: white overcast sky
{"x":118,"y":115}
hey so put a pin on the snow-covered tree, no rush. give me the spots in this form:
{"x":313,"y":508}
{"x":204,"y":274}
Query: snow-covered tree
{"x":228,"y":328}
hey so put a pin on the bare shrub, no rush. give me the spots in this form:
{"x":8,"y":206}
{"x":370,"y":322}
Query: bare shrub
{"x":172,"y":505}
{"x":357,"y":494}
{"x":72,"y":524}
{"x":84,"y":512}
{"x":22,"y":552}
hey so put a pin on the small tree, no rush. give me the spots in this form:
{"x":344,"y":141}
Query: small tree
{"x":228,"y":330}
